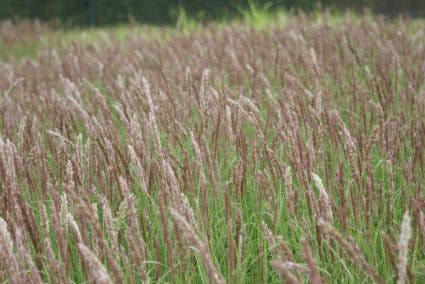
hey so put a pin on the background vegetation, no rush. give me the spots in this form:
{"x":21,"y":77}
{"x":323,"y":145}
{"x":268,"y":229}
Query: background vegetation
{"x":107,"y":12}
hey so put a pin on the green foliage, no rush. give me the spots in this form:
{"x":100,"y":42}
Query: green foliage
{"x":107,"y":12}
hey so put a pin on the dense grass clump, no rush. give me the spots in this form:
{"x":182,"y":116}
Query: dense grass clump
{"x":233,"y":153}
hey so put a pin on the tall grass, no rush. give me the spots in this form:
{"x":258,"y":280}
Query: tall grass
{"x":235,"y":155}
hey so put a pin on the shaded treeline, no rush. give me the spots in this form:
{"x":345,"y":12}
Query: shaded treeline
{"x":107,"y":12}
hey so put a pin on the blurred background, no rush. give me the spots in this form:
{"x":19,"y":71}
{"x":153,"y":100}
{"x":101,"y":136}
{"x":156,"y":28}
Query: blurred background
{"x":165,"y":12}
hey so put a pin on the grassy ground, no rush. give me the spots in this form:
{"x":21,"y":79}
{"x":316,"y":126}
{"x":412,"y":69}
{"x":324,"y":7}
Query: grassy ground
{"x":26,"y":40}
{"x":275,"y":148}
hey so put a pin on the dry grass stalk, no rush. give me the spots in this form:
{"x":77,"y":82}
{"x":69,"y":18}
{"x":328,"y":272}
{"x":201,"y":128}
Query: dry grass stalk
{"x":194,"y":241}
{"x":8,"y":258}
{"x":283,"y":271}
{"x":324,"y":199}
{"x":308,"y":256}
{"x":98,"y":272}
{"x":57,"y":273}
{"x":290,"y":196}
{"x":422,"y":226}
{"x":403,"y":249}
{"x":351,"y":249}
{"x":26,"y":258}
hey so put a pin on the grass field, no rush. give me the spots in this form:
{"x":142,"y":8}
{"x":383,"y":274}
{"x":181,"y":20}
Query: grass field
{"x":286,"y":148}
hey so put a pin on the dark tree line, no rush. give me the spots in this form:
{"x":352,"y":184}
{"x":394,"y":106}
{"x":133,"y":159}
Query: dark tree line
{"x":104,"y":12}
